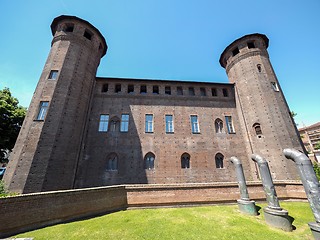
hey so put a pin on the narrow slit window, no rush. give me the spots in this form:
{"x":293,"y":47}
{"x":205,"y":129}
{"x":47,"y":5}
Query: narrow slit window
{"x":130,"y":88}
{"x":251,"y":45}
{"x":155,"y":89}
{"x":69,"y":27}
{"x":259,"y":67}
{"x":203,"y":92}
{"x":53,"y":74}
{"x":225,"y":92}
{"x":143,"y":89}
{"x":105,"y":87}
{"x":88,"y":35}
{"x":214,"y":92}
{"x":235,"y":51}
{"x":275,"y":86}
{"x":191,"y":91}
{"x":43,"y":108}
{"x":117,"y":88}
{"x":167,"y":90}
{"x":257,"y":129}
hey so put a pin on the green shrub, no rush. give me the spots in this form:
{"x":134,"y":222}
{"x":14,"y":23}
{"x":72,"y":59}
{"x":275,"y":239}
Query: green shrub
{"x":316,"y":168}
{"x":3,"y":190}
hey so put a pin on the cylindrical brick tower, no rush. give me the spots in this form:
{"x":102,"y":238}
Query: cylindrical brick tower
{"x":262,"y":108}
{"x":46,"y":153}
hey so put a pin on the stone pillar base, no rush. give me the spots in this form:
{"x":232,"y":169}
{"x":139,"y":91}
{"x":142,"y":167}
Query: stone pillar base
{"x":315,"y":229}
{"x":278,"y":218}
{"x":247,"y":207}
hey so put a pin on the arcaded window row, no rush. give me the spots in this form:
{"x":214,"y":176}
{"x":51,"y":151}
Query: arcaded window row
{"x":150,"y":158}
{"x":122,"y":125}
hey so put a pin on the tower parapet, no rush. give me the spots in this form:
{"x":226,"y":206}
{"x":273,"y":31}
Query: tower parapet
{"x":49,"y":142}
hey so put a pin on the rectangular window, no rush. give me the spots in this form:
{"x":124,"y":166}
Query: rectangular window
{"x":105,"y":88}
{"x":250,"y":45}
{"x":179,"y":91}
{"x":155,"y":89}
{"x":53,"y":74}
{"x":69,"y":27}
{"x":88,"y":35}
{"x":124,"y":123}
{"x":130,"y":88}
{"x":214,"y":92}
{"x":235,"y":51}
{"x":103,"y":123}
{"x":143,"y":89}
{"x":230,"y":124}
{"x":191,"y":91}
{"x":169,"y":124}
{"x":42,"y":110}
{"x":117,"y":88}
{"x":203,"y":92}
{"x":225,"y":92}
{"x":275,"y":86}
{"x":194,"y":124}
{"x":167,"y":90}
{"x":149,"y":123}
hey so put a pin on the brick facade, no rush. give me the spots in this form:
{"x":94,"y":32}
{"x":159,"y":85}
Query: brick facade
{"x":93,"y":132}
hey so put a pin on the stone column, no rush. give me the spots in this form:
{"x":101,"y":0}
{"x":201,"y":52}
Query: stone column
{"x":244,"y":203}
{"x":310,"y":184}
{"x":274,"y":215}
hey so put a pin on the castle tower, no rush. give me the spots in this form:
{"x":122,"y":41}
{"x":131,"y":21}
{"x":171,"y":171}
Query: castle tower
{"x":261,"y":106}
{"x":46,"y":153}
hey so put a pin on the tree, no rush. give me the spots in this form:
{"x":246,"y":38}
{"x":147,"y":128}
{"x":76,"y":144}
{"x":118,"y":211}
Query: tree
{"x":11,"y":118}
{"x":293,"y":115}
{"x":317,"y":146}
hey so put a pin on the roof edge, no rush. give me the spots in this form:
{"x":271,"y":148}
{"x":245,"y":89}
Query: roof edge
{"x":55,"y":22}
{"x":263,"y":36}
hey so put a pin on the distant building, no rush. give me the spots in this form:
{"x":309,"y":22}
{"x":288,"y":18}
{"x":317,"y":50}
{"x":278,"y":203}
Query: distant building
{"x":311,"y":137}
{"x":85,"y":131}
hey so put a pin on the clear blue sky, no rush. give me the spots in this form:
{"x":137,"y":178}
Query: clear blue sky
{"x":170,"y":39}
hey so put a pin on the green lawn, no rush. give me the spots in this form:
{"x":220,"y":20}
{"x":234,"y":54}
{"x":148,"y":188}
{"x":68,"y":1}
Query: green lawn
{"x":210,"y":222}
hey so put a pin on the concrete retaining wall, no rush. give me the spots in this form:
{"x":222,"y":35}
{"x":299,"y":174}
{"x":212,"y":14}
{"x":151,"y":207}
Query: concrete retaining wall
{"x":31,"y":211}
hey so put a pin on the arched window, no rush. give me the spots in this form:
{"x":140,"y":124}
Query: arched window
{"x":114,"y":124}
{"x":112,"y":162}
{"x":259,"y":67}
{"x":185,"y":160}
{"x":218,"y":123}
{"x":219,"y":160}
{"x":149,"y":161}
{"x":257,"y":129}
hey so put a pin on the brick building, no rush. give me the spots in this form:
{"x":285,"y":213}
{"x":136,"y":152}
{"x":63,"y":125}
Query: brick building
{"x":310,"y":136}
{"x":84,"y":131}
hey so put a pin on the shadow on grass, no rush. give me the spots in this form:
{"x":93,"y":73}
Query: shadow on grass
{"x":258,"y":209}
